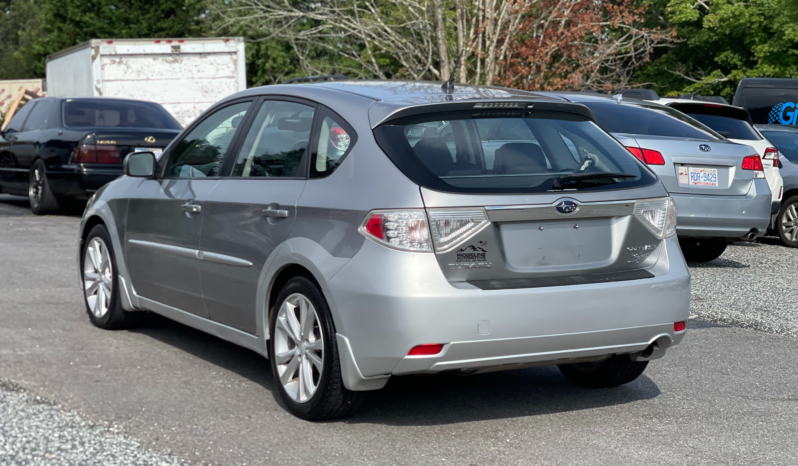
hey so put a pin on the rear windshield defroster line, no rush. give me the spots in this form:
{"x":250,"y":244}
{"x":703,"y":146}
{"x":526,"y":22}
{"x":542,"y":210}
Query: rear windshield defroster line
{"x":509,"y":151}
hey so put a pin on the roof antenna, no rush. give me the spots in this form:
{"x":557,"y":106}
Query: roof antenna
{"x":448,"y":85}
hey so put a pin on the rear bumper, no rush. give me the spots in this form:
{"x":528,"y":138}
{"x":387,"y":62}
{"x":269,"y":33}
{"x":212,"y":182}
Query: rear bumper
{"x":386,"y":302}
{"x":724,"y":216}
{"x":81,"y":182}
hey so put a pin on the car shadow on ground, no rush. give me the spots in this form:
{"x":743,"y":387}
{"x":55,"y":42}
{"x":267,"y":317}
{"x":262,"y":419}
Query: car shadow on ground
{"x":19,"y":206}
{"x":719,"y":263}
{"x":421,"y":400}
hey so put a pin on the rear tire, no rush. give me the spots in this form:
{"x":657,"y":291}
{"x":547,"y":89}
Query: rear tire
{"x":787,"y":223}
{"x":42,"y":200}
{"x":617,"y":370}
{"x":100,"y":279}
{"x":702,"y":250}
{"x":302,"y":346}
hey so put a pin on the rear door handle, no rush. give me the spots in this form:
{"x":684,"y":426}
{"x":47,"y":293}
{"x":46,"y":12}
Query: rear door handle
{"x":275,"y":213}
{"x":191,"y":208}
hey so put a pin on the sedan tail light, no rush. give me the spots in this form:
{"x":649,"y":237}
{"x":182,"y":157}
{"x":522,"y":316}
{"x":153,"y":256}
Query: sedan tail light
{"x":754,"y":163}
{"x":648,"y":156}
{"x":88,"y":152}
{"x":400,"y":229}
{"x":772,"y":155}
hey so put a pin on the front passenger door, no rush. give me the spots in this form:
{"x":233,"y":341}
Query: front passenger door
{"x":165,"y":215}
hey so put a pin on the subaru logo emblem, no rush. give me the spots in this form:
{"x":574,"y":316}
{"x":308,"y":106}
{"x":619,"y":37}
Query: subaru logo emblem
{"x":704,"y":148}
{"x":567,"y":206}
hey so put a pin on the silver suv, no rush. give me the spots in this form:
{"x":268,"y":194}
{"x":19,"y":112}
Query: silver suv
{"x":355,"y":231}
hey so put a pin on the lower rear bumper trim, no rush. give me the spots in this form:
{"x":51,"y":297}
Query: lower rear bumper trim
{"x":518,"y":283}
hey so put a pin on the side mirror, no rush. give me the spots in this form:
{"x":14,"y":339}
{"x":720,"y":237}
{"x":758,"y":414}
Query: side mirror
{"x":140,"y":164}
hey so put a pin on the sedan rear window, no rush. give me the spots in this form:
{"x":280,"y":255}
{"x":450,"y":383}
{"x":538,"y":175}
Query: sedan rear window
{"x":648,"y":120}
{"x":509,"y":152}
{"x":87,"y":113}
{"x":731,"y":128}
{"x":786,"y":142}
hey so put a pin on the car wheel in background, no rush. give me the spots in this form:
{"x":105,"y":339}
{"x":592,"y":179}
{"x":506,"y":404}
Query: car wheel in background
{"x":787,"y":222}
{"x":617,"y":370}
{"x":304,"y":354}
{"x":99,"y":278}
{"x":702,"y":250}
{"x":42,"y":200}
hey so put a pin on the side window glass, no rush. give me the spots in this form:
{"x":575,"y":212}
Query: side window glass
{"x":15,"y":125}
{"x":334,"y":140}
{"x":38,"y":116}
{"x":201,"y":153}
{"x":276,"y":141}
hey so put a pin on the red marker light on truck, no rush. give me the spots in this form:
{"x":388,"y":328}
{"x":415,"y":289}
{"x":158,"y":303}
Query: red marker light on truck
{"x":429,"y":349}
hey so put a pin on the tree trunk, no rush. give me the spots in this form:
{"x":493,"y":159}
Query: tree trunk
{"x":440,"y":35}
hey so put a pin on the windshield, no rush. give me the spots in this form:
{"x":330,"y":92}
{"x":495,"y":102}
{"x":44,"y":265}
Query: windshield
{"x":91,"y":113}
{"x":509,"y":152}
{"x":785,"y":141}
{"x":648,"y":120}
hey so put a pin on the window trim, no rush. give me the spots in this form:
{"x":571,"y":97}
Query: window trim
{"x":229,"y":163}
{"x":167,"y":153}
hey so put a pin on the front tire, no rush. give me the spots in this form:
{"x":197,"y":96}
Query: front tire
{"x":42,"y":200}
{"x":787,"y":223}
{"x":617,"y":370}
{"x":702,"y":250}
{"x":100,"y":283}
{"x":304,"y":354}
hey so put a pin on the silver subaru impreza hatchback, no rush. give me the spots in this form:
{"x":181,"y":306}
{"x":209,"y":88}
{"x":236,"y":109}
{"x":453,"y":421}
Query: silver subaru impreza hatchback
{"x":355,"y":231}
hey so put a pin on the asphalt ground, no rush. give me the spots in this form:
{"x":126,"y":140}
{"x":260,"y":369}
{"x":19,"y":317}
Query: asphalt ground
{"x":727,"y":395}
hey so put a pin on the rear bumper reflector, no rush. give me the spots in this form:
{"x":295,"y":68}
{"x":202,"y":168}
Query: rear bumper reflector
{"x":518,"y":283}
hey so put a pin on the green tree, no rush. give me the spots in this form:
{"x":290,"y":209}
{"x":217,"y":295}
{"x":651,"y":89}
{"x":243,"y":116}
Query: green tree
{"x":70,"y":22}
{"x":20,"y":26}
{"x":723,"y":41}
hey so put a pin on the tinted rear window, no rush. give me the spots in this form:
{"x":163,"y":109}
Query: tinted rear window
{"x":116,"y":113}
{"x":650,"y":121}
{"x":769,"y":106}
{"x":785,"y":141}
{"x":509,"y":152}
{"x":730,"y":127}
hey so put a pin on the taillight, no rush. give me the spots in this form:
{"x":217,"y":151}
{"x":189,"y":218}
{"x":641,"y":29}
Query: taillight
{"x":650,"y":157}
{"x":400,"y":229}
{"x":87,"y":152}
{"x":680,"y":326}
{"x":772,"y":154}
{"x":753,"y":162}
{"x":450,"y":227}
{"x":658,"y":215}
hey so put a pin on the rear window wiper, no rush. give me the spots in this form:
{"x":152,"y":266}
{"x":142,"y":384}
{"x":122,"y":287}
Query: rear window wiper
{"x":558,"y":183}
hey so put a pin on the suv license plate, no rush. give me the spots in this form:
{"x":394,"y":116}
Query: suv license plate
{"x":695,"y":176}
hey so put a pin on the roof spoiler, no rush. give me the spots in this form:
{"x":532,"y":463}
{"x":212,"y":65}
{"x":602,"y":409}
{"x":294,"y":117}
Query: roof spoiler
{"x":716,"y":99}
{"x":640,"y":94}
{"x":317,"y":78}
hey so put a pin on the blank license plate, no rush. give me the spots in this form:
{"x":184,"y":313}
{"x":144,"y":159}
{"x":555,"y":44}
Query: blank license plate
{"x":695,"y":176}
{"x":155,"y":151}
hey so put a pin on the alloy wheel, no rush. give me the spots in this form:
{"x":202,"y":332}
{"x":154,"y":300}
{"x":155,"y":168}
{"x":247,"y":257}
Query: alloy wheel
{"x":789,"y":223}
{"x":298,"y":348}
{"x":36,"y":186}
{"x":97,"y":277}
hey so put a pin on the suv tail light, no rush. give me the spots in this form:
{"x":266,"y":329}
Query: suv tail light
{"x":648,"y":156}
{"x":772,"y":154}
{"x":753,"y":162}
{"x":451,"y":227}
{"x":658,"y":215}
{"x":88,"y":152}
{"x":400,"y":229}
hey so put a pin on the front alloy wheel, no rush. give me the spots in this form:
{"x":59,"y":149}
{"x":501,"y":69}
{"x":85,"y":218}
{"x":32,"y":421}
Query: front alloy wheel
{"x":97,"y":277}
{"x":299,"y":348}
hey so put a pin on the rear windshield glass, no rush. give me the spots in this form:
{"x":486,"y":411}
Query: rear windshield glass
{"x":116,"y":113}
{"x":509,"y":152}
{"x":651,"y":121}
{"x":731,"y":128}
{"x":770,"y":106}
{"x":785,"y":141}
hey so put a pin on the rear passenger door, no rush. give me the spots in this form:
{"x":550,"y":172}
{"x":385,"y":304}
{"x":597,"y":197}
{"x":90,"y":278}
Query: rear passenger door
{"x":252,"y":211}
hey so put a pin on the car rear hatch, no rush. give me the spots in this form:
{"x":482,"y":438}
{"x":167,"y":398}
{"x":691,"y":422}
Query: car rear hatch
{"x":694,"y":166}
{"x":523,"y":199}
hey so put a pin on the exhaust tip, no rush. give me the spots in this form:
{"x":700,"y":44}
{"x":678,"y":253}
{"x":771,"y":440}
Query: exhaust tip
{"x":751,"y":235}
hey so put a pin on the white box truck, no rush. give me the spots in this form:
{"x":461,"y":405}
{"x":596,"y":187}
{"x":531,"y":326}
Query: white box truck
{"x":186,"y":76}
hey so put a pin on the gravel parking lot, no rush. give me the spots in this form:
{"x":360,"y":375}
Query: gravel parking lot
{"x":165,"y":393}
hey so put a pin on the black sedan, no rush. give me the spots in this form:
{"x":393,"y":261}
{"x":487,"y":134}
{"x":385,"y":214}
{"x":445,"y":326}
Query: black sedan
{"x":57,"y":149}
